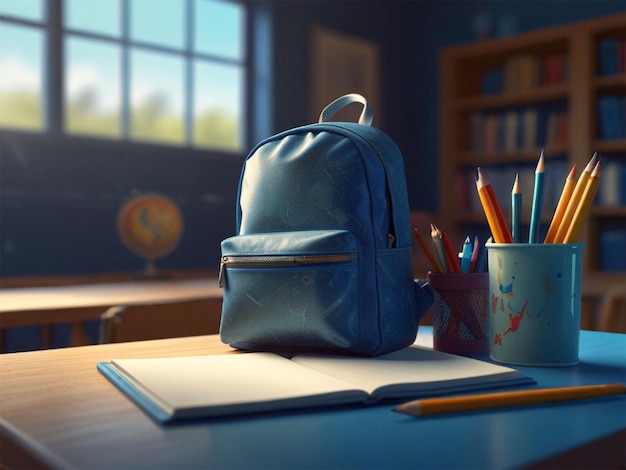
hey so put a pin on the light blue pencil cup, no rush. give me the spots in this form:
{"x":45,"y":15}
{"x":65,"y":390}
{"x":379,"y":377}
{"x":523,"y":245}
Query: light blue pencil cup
{"x":534,"y":303}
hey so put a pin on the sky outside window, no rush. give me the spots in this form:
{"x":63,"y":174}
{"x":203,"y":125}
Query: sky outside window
{"x":157,"y":98}
{"x":25,"y":9}
{"x":94,"y":16}
{"x":159,"y":22}
{"x":93,"y":91}
{"x":21,"y":77}
{"x":217,"y":105}
{"x":218,"y":27}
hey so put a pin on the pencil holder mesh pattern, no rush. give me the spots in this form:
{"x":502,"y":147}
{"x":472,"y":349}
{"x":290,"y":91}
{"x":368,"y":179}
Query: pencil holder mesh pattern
{"x":461,"y":314}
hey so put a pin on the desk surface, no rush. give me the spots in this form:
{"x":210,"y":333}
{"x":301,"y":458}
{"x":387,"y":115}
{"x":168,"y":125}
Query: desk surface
{"x":19,"y":299}
{"x":61,"y":410}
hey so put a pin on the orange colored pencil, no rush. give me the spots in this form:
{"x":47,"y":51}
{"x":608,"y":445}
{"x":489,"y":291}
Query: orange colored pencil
{"x":574,"y":201}
{"x":495,"y":217}
{"x":566,"y":194}
{"x":585,"y":203}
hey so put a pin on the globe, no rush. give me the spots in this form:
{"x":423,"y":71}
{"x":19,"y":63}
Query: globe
{"x":150,"y":225}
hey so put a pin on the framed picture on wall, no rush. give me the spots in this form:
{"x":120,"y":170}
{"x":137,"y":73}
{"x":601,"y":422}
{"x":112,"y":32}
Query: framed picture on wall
{"x":342,"y":64}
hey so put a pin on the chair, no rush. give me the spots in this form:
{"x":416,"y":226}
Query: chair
{"x":612,"y":311}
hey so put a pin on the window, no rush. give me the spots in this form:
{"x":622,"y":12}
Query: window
{"x":162,"y":71}
{"x":22,"y":65}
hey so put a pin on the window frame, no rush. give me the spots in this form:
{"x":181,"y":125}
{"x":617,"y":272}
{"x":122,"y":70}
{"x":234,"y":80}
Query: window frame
{"x":53,"y":104}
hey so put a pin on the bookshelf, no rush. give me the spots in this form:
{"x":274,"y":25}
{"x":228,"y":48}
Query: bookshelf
{"x":502,"y":101}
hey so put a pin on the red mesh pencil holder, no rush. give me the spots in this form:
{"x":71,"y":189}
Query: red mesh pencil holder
{"x":460,"y":312}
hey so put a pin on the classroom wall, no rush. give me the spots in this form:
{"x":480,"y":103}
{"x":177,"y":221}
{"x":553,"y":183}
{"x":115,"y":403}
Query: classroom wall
{"x":59,"y":199}
{"x":411,"y":34}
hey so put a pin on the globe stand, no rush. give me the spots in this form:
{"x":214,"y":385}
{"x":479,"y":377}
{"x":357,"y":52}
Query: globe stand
{"x":150,"y":272}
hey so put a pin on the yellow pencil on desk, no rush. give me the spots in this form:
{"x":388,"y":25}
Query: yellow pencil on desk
{"x":430,"y":406}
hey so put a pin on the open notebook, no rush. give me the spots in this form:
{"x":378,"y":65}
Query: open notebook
{"x":234,"y":384}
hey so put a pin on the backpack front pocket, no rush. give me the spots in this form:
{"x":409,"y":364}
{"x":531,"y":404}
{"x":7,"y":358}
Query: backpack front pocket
{"x":291,"y":288}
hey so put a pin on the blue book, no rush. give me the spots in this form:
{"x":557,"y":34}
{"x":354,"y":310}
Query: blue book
{"x":623,"y":186}
{"x":613,"y":246}
{"x":608,"y":50}
{"x":612,"y":116}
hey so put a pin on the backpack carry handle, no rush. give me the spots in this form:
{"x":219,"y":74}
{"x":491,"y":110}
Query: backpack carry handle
{"x":329,"y":111}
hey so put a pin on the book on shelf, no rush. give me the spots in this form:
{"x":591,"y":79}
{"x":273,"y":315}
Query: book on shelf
{"x":611,"y":55}
{"x":613,"y":245}
{"x":612,"y":190}
{"x":524,"y":71}
{"x":235,"y":384}
{"x":511,"y":124}
{"x":514,"y":129}
{"x":527,"y":71}
{"x":612,"y":116}
{"x":554,"y":69}
{"x":530,"y":128}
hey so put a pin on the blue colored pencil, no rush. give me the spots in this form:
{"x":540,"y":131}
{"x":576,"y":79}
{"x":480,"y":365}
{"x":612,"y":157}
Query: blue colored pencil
{"x":482,"y":258}
{"x":516,"y":211}
{"x":466,"y":256}
{"x":535,"y":215}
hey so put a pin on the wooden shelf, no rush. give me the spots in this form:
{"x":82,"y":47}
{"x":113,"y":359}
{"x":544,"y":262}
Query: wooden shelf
{"x":523,"y":97}
{"x":462,"y":72}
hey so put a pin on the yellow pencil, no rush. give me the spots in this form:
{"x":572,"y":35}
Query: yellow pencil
{"x":430,"y":406}
{"x":585,"y":203}
{"x":568,"y":189}
{"x":574,"y":201}
{"x":495,"y":218}
{"x":438,"y":245}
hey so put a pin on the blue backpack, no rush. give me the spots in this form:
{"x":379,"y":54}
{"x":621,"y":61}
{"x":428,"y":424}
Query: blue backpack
{"x":322,"y":259}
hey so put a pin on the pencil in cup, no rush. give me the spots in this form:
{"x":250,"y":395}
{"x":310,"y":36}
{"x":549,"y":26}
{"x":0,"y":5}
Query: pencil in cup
{"x":583,"y":208}
{"x":566,"y":194}
{"x":574,"y":201}
{"x":493,"y":212}
{"x":535,"y":216}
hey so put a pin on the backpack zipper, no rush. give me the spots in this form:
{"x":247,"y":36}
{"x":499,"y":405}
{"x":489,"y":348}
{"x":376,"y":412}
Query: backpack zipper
{"x":258,"y":261}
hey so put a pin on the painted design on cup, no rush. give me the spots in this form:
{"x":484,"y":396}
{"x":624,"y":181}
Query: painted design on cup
{"x":504,"y":303}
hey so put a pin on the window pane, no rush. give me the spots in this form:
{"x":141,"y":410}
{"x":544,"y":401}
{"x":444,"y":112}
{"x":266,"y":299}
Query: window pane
{"x":157,"y":22}
{"x":219,"y":28}
{"x":95,"y":16}
{"x":217,"y":113}
{"x":26,"y":9}
{"x":21,"y":77}
{"x":93,"y":94}
{"x":156,"y":95}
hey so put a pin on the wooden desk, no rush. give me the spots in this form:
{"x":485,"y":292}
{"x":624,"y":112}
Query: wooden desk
{"x":57,"y":410}
{"x":27,"y":306}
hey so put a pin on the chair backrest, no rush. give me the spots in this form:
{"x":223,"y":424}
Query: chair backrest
{"x":612,"y":311}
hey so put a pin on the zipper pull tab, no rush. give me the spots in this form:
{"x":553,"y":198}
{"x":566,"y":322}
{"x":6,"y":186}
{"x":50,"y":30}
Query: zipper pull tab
{"x":220,"y":276}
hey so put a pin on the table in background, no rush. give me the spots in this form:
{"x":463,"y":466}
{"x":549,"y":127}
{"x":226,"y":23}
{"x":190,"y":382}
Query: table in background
{"x":57,"y":409}
{"x":75,"y":304}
